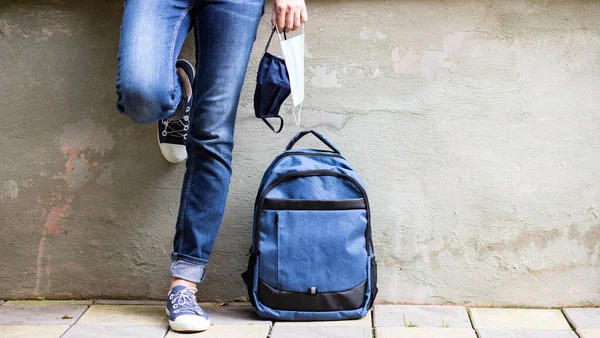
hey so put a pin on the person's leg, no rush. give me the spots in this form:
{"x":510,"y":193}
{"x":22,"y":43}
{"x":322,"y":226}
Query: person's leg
{"x":225,"y":32}
{"x":152,"y":33}
{"x":149,"y":87}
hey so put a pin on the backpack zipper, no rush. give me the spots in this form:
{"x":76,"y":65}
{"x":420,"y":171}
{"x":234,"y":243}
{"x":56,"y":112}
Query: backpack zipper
{"x":284,"y":154}
{"x":310,"y":173}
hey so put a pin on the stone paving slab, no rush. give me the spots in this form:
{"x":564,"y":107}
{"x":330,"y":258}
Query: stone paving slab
{"x":116,"y":331}
{"x":519,"y":319}
{"x":363,"y":322}
{"x":423,"y":316}
{"x":129,"y":302}
{"x":40,"y":315}
{"x":226,"y":331}
{"x":496,"y":333}
{"x":125,"y":315}
{"x":589,"y":333}
{"x":32,"y":331}
{"x":416,"y":332}
{"x":280,"y":331}
{"x":1,"y":301}
{"x":233,"y":315}
{"x":583,"y":318}
{"x":47,"y":302}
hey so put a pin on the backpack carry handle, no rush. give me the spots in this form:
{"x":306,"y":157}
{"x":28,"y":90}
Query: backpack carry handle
{"x":317,"y":135}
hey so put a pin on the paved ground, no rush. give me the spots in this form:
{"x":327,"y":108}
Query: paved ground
{"x":42,"y":319}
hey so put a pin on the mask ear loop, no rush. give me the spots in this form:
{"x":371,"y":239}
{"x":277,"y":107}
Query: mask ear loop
{"x":269,"y":42}
{"x":296,"y":119}
{"x":271,"y":126}
{"x":299,"y":109}
{"x":284,"y":35}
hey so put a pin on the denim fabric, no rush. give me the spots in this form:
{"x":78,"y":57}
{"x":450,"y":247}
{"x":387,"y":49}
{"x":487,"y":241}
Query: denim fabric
{"x":152,"y":34}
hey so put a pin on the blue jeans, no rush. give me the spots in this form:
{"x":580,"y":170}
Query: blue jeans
{"x":152,"y":34}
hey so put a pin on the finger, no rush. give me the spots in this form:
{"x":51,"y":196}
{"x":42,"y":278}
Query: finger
{"x":297,"y":19}
{"x":303,"y":15}
{"x":280,"y":13}
{"x":289,"y":20}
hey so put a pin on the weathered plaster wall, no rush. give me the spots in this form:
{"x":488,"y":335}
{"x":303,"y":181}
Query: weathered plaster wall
{"x":475,"y":124}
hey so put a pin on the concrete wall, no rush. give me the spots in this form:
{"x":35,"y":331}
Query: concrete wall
{"x":475,"y":124}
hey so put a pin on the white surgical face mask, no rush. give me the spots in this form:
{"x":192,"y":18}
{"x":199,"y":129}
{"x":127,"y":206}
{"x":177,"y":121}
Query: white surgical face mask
{"x":293,"y":53}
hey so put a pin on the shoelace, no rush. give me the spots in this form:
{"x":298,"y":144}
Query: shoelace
{"x":185,"y":300}
{"x":177,"y":128}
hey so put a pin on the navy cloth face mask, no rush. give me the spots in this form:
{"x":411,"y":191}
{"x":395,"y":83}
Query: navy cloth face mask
{"x":272,"y":87}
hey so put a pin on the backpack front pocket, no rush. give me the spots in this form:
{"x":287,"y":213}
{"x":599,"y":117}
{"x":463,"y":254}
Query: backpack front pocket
{"x":321,"y":249}
{"x":320,"y":244}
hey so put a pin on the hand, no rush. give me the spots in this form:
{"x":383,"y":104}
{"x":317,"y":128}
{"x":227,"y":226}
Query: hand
{"x":288,"y":15}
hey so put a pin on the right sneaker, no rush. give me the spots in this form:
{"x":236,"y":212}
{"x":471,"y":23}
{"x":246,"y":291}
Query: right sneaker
{"x":185,"y":315}
{"x":172,"y":132}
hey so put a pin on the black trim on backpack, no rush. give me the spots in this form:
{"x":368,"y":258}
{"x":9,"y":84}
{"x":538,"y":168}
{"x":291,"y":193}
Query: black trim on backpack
{"x":300,"y":204}
{"x":373,"y":274}
{"x":248,"y":277}
{"x":305,"y":301}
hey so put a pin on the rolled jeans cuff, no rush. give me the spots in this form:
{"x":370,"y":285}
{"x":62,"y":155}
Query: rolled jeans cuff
{"x":192,"y":272}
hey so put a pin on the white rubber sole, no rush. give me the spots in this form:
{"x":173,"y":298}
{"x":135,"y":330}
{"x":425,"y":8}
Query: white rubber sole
{"x":174,"y":153}
{"x":188,"y":323}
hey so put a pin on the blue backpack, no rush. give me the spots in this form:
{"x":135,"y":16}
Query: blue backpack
{"x":312,"y":254}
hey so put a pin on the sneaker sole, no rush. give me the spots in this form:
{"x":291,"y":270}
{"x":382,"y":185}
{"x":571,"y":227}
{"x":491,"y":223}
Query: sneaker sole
{"x":187,"y":327}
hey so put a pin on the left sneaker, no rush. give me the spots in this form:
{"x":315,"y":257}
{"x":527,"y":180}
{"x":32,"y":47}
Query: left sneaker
{"x":185,"y":315}
{"x":172,"y":132}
